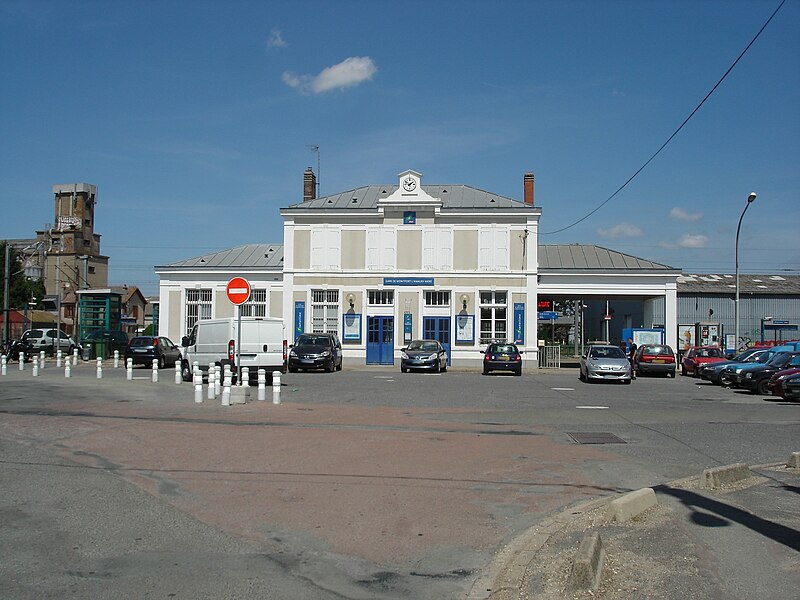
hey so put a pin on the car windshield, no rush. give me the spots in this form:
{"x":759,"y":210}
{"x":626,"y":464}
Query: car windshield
{"x":606,"y":352}
{"x":780,"y":359}
{"x":709,"y":353}
{"x":504,"y":348}
{"x":313,"y":340}
{"x":423,"y":346}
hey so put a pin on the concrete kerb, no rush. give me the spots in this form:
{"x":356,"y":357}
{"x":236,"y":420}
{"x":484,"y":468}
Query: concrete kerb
{"x":725,"y":475}
{"x":794,"y":461}
{"x":587,"y":565}
{"x":631,"y":505}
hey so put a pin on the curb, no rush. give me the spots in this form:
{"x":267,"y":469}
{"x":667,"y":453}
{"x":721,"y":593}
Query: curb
{"x":587,"y":566}
{"x":725,"y":475}
{"x":632,"y":504}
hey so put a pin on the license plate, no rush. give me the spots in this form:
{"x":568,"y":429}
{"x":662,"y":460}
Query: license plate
{"x":139,"y":350}
{"x":504,"y":357}
{"x":659,"y":361}
{"x":306,"y":360}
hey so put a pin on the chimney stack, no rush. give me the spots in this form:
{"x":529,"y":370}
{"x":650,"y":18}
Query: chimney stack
{"x":309,"y":185}
{"x":528,"y":188}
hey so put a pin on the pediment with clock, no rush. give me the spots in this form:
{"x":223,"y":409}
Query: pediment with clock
{"x":409,"y":192}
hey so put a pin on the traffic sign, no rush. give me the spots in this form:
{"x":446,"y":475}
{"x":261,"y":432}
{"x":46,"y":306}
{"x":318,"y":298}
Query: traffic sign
{"x":548,"y":315}
{"x":238,"y":290}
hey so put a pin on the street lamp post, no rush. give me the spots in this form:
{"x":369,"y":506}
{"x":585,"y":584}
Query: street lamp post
{"x":750,"y":199}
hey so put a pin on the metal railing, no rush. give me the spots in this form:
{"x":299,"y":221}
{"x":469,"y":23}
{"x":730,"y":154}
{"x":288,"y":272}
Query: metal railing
{"x":550,"y":357}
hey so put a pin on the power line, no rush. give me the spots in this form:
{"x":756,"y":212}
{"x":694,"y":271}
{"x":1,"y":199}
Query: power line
{"x":664,"y":145}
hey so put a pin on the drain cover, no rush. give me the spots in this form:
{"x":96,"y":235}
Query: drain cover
{"x":595,"y":437}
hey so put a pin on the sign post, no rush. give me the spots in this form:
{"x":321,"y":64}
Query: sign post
{"x":238,"y":292}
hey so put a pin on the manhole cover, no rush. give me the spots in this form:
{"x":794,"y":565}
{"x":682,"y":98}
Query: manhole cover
{"x":595,"y":437}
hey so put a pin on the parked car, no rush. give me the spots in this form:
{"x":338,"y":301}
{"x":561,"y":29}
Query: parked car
{"x":654,"y":359}
{"x":605,"y":363}
{"x":757,"y":380}
{"x":144,"y":349}
{"x":502,"y":357}
{"x":730,"y":374}
{"x":712,"y":371}
{"x":316,"y":351}
{"x":698,"y":356}
{"x":423,"y":354}
{"x":791,"y":388}
{"x":48,"y":340}
{"x":778,"y":379}
{"x":111,"y":339}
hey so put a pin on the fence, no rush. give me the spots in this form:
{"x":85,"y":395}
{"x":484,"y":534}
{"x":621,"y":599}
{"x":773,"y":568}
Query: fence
{"x":550,"y":357}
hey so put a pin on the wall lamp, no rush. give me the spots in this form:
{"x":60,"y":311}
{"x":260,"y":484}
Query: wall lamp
{"x":464,"y":299}
{"x":351,"y":300}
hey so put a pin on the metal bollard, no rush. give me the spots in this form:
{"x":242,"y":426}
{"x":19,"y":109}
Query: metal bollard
{"x":262,"y":384}
{"x":99,"y":368}
{"x":58,"y":358}
{"x":178,"y":377}
{"x":154,"y":376}
{"x":21,"y":362}
{"x":245,"y":378}
{"x":217,"y":381}
{"x":67,"y":371}
{"x":276,"y":387}
{"x":226,"y":388}
{"x":75,"y":357}
{"x":129,"y":369}
{"x":116,"y":359}
{"x":41,"y":359}
{"x":3,"y":365}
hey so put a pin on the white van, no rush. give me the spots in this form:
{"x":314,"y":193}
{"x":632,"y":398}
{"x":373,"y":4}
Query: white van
{"x":214,"y":341}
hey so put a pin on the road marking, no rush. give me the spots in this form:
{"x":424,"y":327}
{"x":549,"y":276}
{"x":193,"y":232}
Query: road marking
{"x":384,"y":376}
{"x":593,"y":407}
{"x":563,"y":389}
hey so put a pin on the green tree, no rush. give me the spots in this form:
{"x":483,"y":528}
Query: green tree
{"x":21,"y":289}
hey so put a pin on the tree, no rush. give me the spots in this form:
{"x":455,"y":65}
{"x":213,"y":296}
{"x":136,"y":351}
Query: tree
{"x":21,"y":288}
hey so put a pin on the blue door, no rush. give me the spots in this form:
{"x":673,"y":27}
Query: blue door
{"x":438,"y":328}
{"x":380,"y":340}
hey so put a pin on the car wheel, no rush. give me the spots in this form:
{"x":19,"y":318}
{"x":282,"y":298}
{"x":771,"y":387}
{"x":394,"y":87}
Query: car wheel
{"x":444,"y":368}
{"x":670,"y":374}
{"x":438,"y":368}
{"x":71,"y":349}
{"x":626,"y":381}
{"x":403,"y":370}
{"x":332,"y":366}
{"x":485,"y":371}
{"x":162,"y":362}
{"x":683,"y":371}
{"x":518,"y":372}
{"x":339,"y":366}
{"x":292,"y":369}
{"x":763,"y":388}
{"x":186,"y":370}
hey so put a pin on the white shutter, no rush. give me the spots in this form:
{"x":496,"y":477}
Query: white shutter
{"x":446,"y":249}
{"x":428,"y":249}
{"x":501,"y":249}
{"x":485,"y":249}
{"x":373,"y":245}
{"x":334,"y":249}
{"x":318,"y":248}
{"x":387,"y":249}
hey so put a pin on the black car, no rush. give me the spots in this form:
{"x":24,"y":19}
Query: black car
{"x":316,"y":351}
{"x":426,"y":355}
{"x":757,"y":380}
{"x":502,"y":357}
{"x":144,"y":349}
{"x":712,"y":371}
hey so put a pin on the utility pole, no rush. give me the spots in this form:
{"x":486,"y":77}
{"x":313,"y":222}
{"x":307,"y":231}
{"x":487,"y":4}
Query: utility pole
{"x":6,"y":286}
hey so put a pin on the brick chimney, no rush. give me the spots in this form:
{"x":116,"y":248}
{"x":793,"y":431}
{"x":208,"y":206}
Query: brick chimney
{"x":309,"y":185}
{"x":527,"y":184}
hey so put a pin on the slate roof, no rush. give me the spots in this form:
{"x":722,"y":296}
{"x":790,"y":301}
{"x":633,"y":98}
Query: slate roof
{"x":580,"y":257}
{"x":748,"y":284}
{"x":249,"y":256}
{"x":462,"y":197}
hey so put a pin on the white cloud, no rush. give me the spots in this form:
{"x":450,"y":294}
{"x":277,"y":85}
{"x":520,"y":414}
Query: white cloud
{"x":690,"y":240}
{"x":276,"y":39}
{"x":622,"y":230}
{"x":347,"y":73}
{"x":680,"y":214}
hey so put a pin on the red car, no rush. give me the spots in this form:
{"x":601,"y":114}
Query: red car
{"x":776,"y":381}
{"x":698,"y":356}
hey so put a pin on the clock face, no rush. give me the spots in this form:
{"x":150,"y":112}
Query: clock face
{"x":409,"y":184}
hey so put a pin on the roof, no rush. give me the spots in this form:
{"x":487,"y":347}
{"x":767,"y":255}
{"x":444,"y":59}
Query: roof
{"x":127,"y":291}
{"x":252,"y":256}
{"x":748,"y":284}
{"x":462,"y":197}
{"x":580,"y":257}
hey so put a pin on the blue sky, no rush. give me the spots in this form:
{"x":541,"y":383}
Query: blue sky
{"x":194,"y":119}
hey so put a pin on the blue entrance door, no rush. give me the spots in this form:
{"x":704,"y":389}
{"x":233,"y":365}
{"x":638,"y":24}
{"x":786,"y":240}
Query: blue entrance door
{"x":438,"y":328}
{"x":380,"y":341}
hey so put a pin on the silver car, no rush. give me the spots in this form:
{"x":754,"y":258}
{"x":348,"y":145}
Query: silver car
{"x":607,"y":363}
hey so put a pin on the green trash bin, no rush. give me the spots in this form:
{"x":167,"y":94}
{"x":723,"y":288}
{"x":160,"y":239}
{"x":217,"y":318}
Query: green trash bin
{"x":100,"y":349}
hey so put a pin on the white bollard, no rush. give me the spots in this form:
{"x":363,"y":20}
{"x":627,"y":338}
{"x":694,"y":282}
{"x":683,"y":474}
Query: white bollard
{"x":276,"y":387}
{"x":99,"y":368}
{"x":67,"y":371}
{"x":58,"y":358}
{"x":41,"y":359}
{"x":262,"y":384}
{"x":154,"y":376}
{"x":195,"y":366}
{"x":217,"y":381}
{"x":245,"y":379}
{"x":35,"y":370}
{"x":21,"y":362}
{"x":178,"y":377}
{"x":129,"y":369}
{"x":210,"y":393}
{"x":226,"y":388}
{"x":3,"y":365}
{"x":116,"y":359}
{"x":75,"y":357}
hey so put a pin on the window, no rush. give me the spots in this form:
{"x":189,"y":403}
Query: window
{"x":493,"y":249}
{"x":324,"y":311}
{"x":437,"y":249}
{"x":256,"y":305}
{"x":493,"y":308}
{"x":380,"y":297}
{"x":437,"y":298}
{"x":325,"y":242}
{"x":380,"y":249}
{"x":198,"y":306}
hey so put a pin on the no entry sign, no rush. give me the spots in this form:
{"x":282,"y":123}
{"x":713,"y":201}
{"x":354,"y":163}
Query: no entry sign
{"x":238,"y":290}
